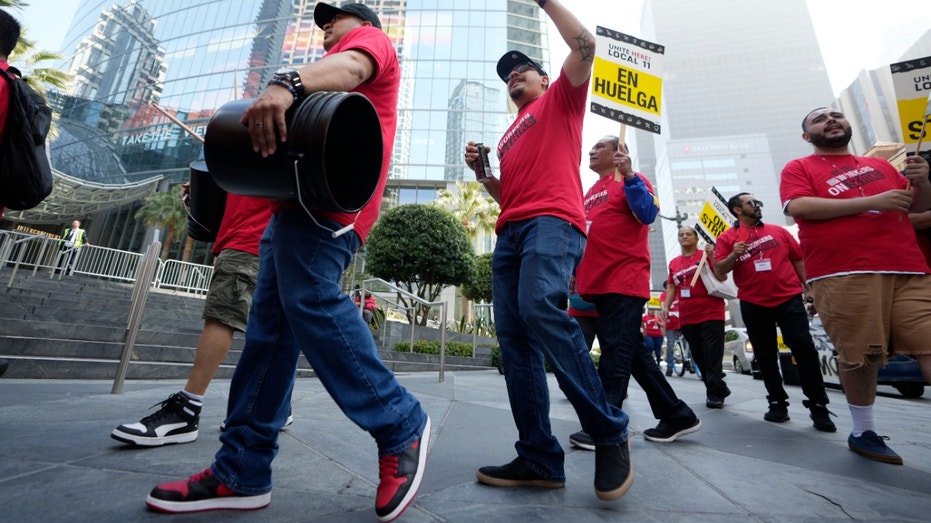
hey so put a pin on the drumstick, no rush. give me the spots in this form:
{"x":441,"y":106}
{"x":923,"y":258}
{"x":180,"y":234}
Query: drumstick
{"x":178,"y":122}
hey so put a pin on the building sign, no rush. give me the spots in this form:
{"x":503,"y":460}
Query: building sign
{"x":626,"y":82}
{"x":714,"y":217}
{"x":160,"y":133}
{"x":912,"y":81}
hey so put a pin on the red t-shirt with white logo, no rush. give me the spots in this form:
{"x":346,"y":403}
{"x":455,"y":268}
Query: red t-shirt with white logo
{"x":695,"y":305}
{"x":652,"y":326}
{"x":617,"y":259}
{"x":764,"y":274}
{"x":540,"y":155}
{"x":851,"y":244}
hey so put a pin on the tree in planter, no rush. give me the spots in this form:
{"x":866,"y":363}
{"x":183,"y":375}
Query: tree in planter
{"x":164,"y":210}
{"x":478,"y":289}
{"x":423,"y":250}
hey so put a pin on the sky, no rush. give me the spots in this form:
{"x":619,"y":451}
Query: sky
{"x":853,"y":34}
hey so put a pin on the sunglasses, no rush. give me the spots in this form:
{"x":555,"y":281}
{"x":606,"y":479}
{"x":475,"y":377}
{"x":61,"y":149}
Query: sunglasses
{"x":754,"y":203}
{"x":523,"y":68}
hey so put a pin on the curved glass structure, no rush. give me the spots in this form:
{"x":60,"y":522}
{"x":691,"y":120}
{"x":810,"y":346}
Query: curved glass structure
{"x":191,"y":56}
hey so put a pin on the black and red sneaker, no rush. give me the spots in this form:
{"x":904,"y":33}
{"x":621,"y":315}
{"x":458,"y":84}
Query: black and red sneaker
{"x":202,"y":492}
{"x":400,"y":477}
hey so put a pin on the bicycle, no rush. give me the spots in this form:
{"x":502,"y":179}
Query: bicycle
{"x":682,"y":360}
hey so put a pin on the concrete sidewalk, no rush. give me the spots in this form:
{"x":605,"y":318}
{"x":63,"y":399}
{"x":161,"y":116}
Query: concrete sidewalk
{"x":58,"y":462}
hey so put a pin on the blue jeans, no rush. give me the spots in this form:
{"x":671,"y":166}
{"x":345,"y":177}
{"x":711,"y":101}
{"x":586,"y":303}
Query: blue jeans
{"x":793,"y":322}
{"x":654,"y":346}
{"x":623,"y":354}
{"x":671,"y":337}
{"x":298,"y":307}
{"x":532,"y":263}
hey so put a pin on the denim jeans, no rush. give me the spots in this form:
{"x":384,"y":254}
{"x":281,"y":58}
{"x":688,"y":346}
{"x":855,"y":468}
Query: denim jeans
{"x":654,"y":346}
{"x":532,"y":263}
{"x":623,"y":354}
{"x":706,"y":340}
{"x":671,"y":337}
{"x":298,"y":307}
{"x":793,"y":322}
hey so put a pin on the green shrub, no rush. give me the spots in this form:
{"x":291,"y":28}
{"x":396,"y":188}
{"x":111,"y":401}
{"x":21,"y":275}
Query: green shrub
{"x":453,"y":348}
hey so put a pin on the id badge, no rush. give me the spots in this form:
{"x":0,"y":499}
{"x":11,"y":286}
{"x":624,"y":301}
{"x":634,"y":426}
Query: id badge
{"x":685,"y":293}
{"x":763,"y":265}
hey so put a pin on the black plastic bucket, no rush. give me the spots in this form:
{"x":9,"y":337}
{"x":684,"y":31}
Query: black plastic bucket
{"x":334,"y":138}
{"x":208,"y":202}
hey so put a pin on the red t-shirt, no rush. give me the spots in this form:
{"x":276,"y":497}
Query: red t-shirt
{"x":540,"y":155}
{"x":4,"y":106}
{"x":695,"y":305}
{"x":243,"y":223}
{"x":652,"y":326}
{"x":851,"y":244}
{"x":382,"y":91}
{"x":764,"y":274}
{"x":617,"y":259}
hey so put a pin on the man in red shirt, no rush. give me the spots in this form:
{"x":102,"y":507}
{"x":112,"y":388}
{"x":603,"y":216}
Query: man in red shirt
{"x":770,"y":277}
{"x":9,"y":36}
{"x":299,"y":307}
{"x":671,"y":324}
{"x":615,"y":275}
{"x":541,"y":237}
{"x":869,"y":278}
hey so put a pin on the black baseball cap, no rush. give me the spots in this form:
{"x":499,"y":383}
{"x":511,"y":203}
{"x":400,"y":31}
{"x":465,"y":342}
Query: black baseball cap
{"x":512,"y":59}
{"x":323,"y":13}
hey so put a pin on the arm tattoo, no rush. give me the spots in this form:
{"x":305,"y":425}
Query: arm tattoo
{"x":541,"y":3}
{"x":586,"y":45}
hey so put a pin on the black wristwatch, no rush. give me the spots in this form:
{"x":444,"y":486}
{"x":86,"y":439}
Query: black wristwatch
{"x":292,"y":78}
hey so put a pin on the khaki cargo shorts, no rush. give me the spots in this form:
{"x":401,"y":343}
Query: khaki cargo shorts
{"x":230,"y":294}
{"x":878,"y":314}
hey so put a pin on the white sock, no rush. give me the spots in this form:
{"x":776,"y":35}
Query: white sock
{"x":195,"y":398}
{"x":862,"y":419}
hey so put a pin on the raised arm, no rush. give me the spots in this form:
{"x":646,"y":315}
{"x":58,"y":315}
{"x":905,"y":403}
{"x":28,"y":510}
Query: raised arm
{"x":578,"y":65}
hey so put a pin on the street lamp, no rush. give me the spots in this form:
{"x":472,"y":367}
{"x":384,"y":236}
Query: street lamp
{"x":679,"y":218}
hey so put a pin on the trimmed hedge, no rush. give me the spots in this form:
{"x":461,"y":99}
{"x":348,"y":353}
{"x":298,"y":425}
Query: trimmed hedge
{"x":453,"y":348}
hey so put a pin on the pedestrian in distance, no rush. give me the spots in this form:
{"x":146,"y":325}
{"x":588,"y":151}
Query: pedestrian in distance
{"x":868,"y":277}
{"x":541,"y":237}
{"x":770,"y":277}
{"x":614,"y":274}
{"x":299,"y":307}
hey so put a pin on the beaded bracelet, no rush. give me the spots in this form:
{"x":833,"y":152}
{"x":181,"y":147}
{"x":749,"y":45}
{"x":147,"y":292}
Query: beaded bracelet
{"x":284,"y":84}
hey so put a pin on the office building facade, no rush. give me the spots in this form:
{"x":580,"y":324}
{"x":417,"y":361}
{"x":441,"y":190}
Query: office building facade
{"x":189,"y":57}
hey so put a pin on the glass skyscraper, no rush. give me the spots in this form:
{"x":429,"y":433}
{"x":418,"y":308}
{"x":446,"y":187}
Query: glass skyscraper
{"x":740,"y":77}
{"x":191,"y":56}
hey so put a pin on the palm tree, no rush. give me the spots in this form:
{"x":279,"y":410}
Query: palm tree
{"x":477,"y":211}
{"x":164,"y":210}
{"x":27,"y":59}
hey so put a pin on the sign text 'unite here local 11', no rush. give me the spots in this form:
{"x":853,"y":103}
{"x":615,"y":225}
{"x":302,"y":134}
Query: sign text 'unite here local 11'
{"x":627,"y":81}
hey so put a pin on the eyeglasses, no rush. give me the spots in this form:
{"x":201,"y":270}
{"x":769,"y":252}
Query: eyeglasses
{"x":754,"y":203}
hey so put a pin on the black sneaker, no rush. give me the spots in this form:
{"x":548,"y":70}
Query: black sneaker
{"x":515,"y":474}
{"x":668,"y":431}
{"x":582,"y":440}
{"x":614,"y":473}
{"x":400,"y":476}
{"x":872,"y":446}
{"x":4,"y":365}
{"x":713,"y":402}
{"x":778,"y":412}
{"x":202,"y":492}
{"x":175,"y":422}
{"x":821,"y":417}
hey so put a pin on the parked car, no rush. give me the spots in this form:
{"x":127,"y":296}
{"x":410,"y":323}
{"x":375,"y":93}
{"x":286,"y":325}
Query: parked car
{"x":901,"y":372}
{"x":739,"y":350}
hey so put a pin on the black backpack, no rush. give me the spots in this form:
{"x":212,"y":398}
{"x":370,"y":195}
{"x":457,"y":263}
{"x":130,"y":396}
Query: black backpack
{"x":25,"y":173}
